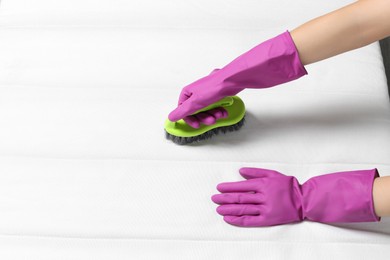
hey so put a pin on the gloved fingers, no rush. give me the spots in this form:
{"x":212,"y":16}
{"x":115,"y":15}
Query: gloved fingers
{"x":239,"y":186}
{"x":244,"y":221}
{"x":253,"y":173}
{"x":184,"y":95}
{"x":186,"y":108}
{"x":206,"y":118}
{"x":218,"y":113}
{"x":210,"y":117}
{"x":192,"y":121}
{"x":239,"y":210}
{"x":238,"y":198}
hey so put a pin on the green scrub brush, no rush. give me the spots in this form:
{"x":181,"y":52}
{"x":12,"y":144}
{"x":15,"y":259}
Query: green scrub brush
{"x":181,"y":133}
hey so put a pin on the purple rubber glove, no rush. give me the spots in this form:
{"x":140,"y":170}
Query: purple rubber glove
{"x":270,"y":198}
{"x":270,"y":63}
{"x":209,"y":117}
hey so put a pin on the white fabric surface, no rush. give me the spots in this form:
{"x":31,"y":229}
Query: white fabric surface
{"x":85,"y":171}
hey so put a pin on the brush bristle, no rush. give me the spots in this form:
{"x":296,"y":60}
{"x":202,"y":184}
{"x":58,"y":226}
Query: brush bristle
{"x":207,"y":135}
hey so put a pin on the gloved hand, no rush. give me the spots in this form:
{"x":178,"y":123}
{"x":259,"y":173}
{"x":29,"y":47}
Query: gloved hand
{"x":209,"y":117}
{"x":270,"y":63}
{"x":269,"y":198}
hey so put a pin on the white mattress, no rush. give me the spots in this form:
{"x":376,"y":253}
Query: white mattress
{"x":85,"y":171}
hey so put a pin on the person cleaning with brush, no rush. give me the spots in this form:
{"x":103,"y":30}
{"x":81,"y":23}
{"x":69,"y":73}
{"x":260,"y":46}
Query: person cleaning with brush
{"x":267,"y":197}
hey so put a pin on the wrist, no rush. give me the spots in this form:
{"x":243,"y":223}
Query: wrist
{"x":340,"y":197}
{"x":381,"y":196}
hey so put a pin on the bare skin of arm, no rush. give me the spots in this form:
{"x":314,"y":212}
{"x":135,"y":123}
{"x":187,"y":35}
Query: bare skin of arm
{"x":381,"y":195}
{"x":345,"y":29}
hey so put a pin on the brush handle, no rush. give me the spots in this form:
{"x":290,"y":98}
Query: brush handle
{"x":225,"y":102}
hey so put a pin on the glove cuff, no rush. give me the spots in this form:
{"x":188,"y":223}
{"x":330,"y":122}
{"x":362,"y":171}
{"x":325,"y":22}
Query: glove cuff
{"x":340,"y":197}
{"x":297,"y":66}
{"x":273,"y":62}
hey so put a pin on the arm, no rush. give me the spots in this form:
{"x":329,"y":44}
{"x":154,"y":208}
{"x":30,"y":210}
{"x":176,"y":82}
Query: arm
{"x":281,"y":59}
{"x":268,"y":198}
{"x":345,"y":29}
{"x":381,"y":196}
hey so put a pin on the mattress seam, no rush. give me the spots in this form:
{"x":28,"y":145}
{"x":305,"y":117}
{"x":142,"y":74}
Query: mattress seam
{"x":183,"y":161}
{"x":185,"y":240}
{"x":186,"y":161}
